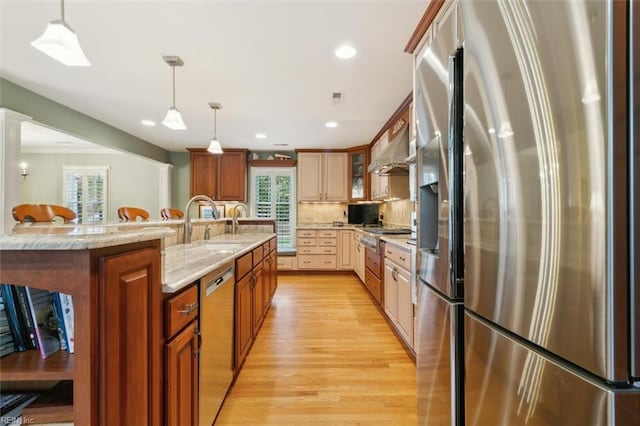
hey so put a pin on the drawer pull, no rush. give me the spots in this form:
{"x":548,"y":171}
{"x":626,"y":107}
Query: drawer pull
{"x":402,"y":258}
{"x":188,"y":309}
{"x":327,"y":251}
{"x":326,"y":262}
{"x":306,"y":261}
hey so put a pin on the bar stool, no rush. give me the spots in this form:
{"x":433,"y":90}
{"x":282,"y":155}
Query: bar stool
{"x":127,"y":214}
{"x":42,"y":213}
{"x":170,"y":213}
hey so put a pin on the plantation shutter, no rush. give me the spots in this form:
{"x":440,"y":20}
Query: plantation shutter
{"x":85,"y":192}
{"x":273,"y":198}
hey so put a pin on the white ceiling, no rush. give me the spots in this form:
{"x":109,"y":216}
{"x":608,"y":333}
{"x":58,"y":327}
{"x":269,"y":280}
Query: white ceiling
{"x":39,"y":139}
{"x":269,"y":63}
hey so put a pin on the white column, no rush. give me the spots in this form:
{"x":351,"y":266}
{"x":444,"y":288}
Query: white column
{"x":10,"y":122}
{"x":164,"y":197}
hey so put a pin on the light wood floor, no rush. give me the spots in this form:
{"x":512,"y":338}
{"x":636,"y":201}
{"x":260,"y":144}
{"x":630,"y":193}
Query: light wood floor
{"x":324,"y":356}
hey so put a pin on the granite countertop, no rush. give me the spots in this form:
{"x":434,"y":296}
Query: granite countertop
{"x":182,"y":264}
{"x":326,"y":226}
{"x":398,"y":240}
{"x":78,"y":237}
{"x":185,"y":263}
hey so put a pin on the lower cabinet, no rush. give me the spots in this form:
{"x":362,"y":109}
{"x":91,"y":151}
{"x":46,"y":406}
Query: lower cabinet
{"x":130,"y":317}
{"x":182,"y":357}
{"x":243,"y":319}
{"x":181,"y":386}
{"x":345,"y":258}
{"x":397,"y":291}
{"x":317,"y":249}
{"x":256,"y":281}
{"x":358,"y":255}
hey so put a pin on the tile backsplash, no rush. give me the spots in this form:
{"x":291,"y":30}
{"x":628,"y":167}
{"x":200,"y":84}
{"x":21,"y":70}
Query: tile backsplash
{"x":397,"y":213}
{"x":321,"y":212}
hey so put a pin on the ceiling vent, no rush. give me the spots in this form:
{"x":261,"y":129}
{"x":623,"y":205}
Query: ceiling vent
{"x":337,"y":97}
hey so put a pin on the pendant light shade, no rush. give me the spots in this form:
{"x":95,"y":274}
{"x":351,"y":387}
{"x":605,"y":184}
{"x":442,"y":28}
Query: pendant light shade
{"x":173,"y":119}
{"x":61,"y":43}
{"x":214,"y":145}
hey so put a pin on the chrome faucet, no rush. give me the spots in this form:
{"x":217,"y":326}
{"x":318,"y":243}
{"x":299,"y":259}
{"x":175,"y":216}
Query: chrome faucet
{"x":234,"y":220}
{"x":188,"y":229}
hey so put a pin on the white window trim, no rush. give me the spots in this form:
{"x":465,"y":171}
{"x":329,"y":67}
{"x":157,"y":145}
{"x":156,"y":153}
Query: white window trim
{"x":87,"y":169}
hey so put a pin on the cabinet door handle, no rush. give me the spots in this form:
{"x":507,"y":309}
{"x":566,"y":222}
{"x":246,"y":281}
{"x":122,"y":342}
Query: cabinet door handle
{"x":188,"y":309}
{"x":196,"y":351}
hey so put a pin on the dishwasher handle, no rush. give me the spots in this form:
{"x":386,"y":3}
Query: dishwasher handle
{"x":216,"y":282}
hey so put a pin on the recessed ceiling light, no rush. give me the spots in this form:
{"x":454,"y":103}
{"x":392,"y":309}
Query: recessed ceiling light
{"x":331,"y":124}
{"x":261,"y":136}
{"x":280,"y":144}
{"x":148,"y":123}
{"x":345,"y":52}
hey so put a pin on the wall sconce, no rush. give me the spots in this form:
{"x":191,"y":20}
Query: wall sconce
{"x":23,"y":171}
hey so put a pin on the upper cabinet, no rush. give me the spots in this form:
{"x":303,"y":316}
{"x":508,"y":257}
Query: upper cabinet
{"x":358,"y":176}
{"x":223,"y":177}
{"x":322,"y":176}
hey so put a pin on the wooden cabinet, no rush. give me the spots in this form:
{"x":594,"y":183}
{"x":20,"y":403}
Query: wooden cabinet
{"x":345,"y":253}
{"x":243,"y":318}
{"x":257,"y":297}
{"x":322,"y":176}
{"x":223,"y":177}
{"x":117,"y":304}
{"x":181,"y":378}
{"x":130,"y":318}
{"x":256,"y":281}
{"x":358,"y":174}
{"x":287,"y":263}
{"x":181,"y":357}
{"x":317,"y":249}
{"x":271,"y":271}
{"x":397,"y":291}
{"x":373,"y":273}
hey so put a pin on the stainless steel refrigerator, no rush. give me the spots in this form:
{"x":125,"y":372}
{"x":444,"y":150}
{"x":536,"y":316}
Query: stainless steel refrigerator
{"x":549,"y":332}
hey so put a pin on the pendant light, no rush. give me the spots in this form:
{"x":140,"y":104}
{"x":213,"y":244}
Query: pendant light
{"x":173,"y":120}
{"x":214,"y":145}
{"x":61,"y":43}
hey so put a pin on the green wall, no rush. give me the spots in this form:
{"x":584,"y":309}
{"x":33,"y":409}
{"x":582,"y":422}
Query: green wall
{"x":180,"y":179}
{"x":58,"y":116}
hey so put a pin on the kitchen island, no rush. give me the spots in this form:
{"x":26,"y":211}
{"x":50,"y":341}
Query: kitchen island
{"x":117,"y":275}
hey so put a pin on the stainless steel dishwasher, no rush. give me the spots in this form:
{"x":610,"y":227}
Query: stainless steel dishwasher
{"x":216,"y":352}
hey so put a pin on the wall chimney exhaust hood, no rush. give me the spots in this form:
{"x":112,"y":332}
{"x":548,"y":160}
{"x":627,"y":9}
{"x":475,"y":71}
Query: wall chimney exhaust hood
{"x":391,"y":161}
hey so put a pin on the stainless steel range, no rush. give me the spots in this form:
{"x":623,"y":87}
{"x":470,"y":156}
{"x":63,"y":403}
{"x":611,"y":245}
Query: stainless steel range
{"x":371,"y":236}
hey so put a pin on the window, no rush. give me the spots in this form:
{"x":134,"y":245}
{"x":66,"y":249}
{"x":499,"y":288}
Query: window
{"x":273,"y":196}
{"x":85,"y":192}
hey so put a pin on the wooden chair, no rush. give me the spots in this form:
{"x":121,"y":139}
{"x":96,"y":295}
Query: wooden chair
{"x":170,"y":213}
{"x":42,"y":213}
{"x":132,"y":214}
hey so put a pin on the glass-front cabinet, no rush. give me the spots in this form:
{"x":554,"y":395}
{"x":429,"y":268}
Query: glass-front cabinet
{"x":358,"y":176}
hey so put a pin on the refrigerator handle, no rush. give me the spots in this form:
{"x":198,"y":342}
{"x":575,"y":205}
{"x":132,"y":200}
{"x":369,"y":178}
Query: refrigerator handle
{"x":456,"y":169}
{"x":634,"y":188}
